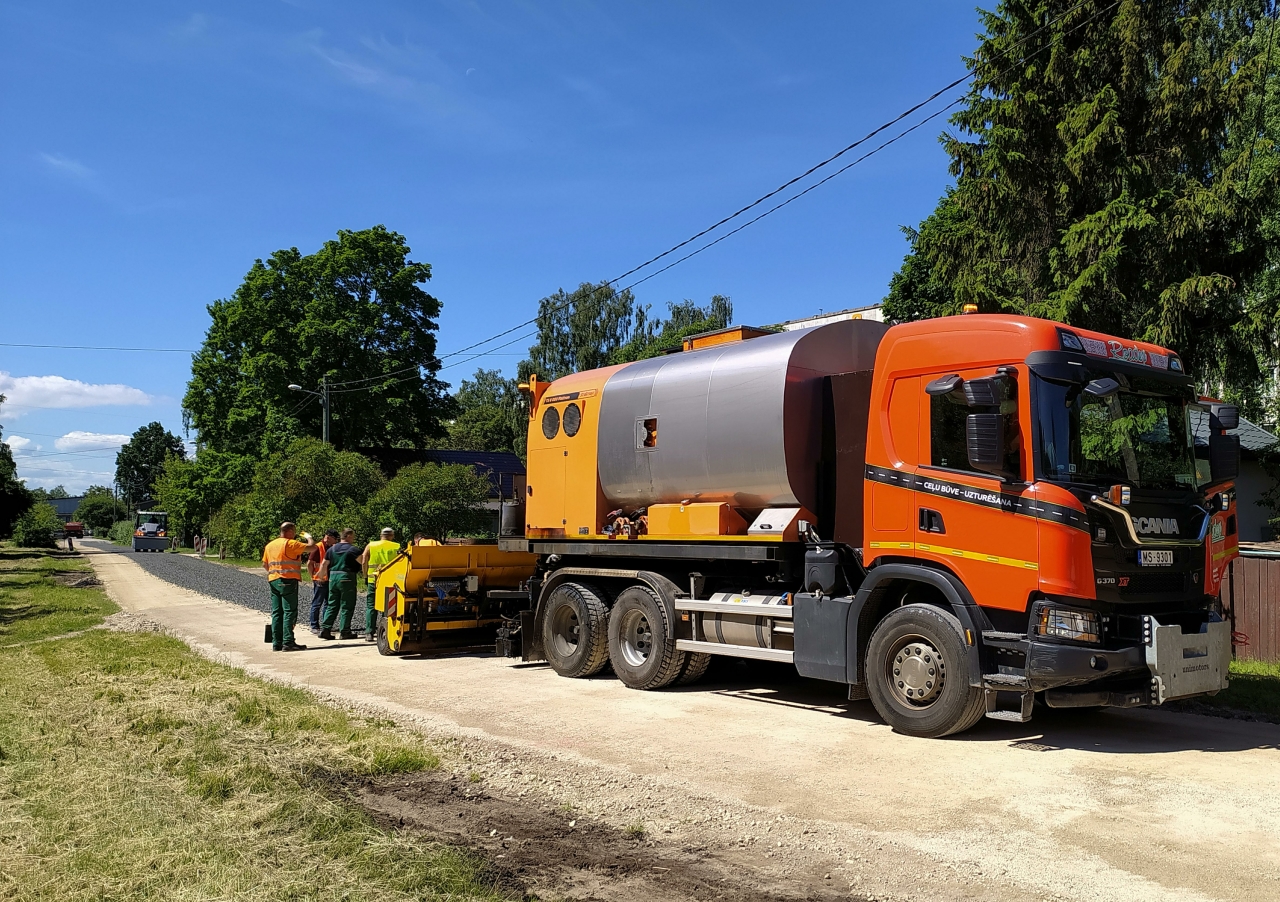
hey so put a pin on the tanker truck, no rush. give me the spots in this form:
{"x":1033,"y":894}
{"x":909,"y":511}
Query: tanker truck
{"x":954,"y":518}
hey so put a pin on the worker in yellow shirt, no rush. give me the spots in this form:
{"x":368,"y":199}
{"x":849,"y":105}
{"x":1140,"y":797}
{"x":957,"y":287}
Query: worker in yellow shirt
{"x":282,"y":559}
{"x":375,"y":556}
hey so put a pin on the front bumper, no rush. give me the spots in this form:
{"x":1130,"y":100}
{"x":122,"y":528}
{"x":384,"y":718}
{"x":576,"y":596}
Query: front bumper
{"x":1169,"y":664}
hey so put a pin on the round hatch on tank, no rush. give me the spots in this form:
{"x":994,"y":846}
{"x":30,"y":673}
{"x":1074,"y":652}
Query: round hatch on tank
{"x":572,"y":419}
{"x":550,"y":422}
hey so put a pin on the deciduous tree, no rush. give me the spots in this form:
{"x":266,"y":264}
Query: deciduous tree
{"x":141,"y":460}
{"x":353,"y":313}
{"x":15,"y":499}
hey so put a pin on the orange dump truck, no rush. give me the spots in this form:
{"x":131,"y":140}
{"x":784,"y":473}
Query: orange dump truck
{"x":950,"y":517}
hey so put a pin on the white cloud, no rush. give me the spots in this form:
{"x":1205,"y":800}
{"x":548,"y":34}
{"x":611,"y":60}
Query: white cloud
{"x":79,"y":441}
{"x":66,"y":166}
{"x":60,"y":392}
{"x":18,"y":443}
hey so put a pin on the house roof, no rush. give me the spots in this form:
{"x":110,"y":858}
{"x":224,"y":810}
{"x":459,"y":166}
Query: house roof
{"x":1252,"y":437}
{"x":500,"y":466}
{"x":66,"y":507}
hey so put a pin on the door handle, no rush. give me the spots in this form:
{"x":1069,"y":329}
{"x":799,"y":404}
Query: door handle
{"x":931,"y":521}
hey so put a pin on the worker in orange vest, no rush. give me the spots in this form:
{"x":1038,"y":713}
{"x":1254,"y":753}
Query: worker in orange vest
{"x":282,"y":559}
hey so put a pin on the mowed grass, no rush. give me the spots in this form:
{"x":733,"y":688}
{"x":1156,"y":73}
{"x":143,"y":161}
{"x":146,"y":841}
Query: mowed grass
{"x":132,"y":769}
{"x":35,"y":605}
{"x":1254,"y":689}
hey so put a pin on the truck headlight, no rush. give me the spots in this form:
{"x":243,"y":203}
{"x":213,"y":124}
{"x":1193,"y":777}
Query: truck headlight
{"x":1068,"y":623}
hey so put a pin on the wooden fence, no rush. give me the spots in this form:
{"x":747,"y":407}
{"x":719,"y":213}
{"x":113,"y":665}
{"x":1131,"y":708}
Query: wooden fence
{"x":1251,"y":601}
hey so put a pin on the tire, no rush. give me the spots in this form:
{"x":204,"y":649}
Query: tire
{"x":575,"y":632}
{"x":918,"y":673}
{"x":695,"y":668}
{"x":642,"y":655}
{"x":384,"y":647}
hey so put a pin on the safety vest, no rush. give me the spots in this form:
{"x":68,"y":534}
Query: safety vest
{"x":320,"y":565}
{"x":283,"y":558}
{"x":381,"y":553}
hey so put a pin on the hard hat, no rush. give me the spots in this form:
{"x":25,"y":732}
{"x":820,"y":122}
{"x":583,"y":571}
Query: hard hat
{"x":388,"y":529}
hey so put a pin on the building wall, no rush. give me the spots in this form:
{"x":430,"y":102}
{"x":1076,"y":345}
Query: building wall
{"x":1251,"y":515}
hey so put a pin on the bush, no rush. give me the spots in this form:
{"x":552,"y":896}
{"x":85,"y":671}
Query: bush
{"x":121,"y":532}
{"x":36,"y":527}
{"x":434,"y":499}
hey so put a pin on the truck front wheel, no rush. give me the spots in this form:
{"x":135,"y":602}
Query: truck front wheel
{"x":575,"y":630}
{"x":917,"y":673}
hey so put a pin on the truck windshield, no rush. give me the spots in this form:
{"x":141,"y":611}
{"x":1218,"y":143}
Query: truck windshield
{"x":1139,"y":436}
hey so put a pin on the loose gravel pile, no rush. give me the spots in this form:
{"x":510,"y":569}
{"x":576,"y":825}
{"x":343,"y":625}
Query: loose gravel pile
{"x":220,"y":581}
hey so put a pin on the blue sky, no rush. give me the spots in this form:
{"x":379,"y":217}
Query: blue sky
{"x":151,"y":152}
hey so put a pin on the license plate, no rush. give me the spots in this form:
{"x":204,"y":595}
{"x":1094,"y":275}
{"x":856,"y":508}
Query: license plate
{"x":1155,"y":558}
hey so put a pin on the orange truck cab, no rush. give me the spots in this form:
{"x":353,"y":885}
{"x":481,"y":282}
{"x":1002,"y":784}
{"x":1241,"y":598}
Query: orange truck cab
{"x":953,"y":517}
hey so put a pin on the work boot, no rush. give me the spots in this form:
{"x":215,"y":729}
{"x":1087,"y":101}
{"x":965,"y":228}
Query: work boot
{"x":347,"y":634}
{"x":294,"y":647}
{"x":325,"y":634}
{"x":370,"y":637}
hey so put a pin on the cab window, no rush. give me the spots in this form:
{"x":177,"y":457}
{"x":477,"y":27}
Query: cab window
{"x":948,"y":417}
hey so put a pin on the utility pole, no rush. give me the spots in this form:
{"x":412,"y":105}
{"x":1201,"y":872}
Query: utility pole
{"x":324,"y":405}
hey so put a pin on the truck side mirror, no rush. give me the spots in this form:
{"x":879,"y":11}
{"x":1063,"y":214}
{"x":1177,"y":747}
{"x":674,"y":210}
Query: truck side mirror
{"x":981,"y":392}
{"x":1224,"y":456}
{"x":984,"y":440}
{"x":1224,"y":416}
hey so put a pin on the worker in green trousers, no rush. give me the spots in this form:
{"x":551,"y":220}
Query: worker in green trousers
{"x":376,"y":555}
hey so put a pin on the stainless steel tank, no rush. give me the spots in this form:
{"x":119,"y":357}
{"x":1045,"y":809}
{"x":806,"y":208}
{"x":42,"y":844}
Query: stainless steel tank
{"x":739,"y":423}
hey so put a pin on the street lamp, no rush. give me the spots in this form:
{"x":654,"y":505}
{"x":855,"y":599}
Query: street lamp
{"x":323,"y":395}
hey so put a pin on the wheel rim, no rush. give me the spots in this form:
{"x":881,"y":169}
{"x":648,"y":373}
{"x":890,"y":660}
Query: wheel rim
{"x":916,"y":671}
{"x":636,"y":638}
{"x":565,"y":630}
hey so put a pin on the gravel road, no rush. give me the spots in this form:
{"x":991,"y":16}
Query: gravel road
{"x":219,"y":581}
{"x":741,"y":782}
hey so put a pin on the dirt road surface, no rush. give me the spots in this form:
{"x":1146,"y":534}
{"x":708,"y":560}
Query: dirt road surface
{"x":756,"y":786}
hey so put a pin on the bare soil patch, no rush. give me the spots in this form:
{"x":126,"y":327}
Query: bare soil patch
{"x":536,"y":851}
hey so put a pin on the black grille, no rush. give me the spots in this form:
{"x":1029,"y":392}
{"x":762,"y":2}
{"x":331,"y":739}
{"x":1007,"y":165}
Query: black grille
{"x":1152,"y":583}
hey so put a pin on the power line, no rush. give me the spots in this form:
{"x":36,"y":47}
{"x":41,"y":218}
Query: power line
{"x":10,"y":344}
{"x":755,"y":203}
{"x":24,"y":455}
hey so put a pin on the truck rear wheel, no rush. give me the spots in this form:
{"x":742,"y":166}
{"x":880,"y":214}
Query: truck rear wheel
{"x":642,"y":655}
{"x":917,"y":673}
{"x":575,"y":633}
{"x":695,"y":668}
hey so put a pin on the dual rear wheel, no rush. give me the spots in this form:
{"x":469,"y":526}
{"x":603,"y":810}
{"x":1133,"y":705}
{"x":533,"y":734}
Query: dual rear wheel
{"x":580,"y":634}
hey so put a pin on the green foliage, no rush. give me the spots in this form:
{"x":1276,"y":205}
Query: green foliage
{"x":583,"y":329}
{"x":1108,"y":176}
{"x":310,"y":483}
{"x":685,"y":320}
{"x":436,"y":500}
{"x":142,"y":459}
{"x":15,"y":498}
{"x":192,"y":490}
{"x":121,"y":532}
{"x":59,"y":492}
{"x":352,"y":312}
{"x":36,"y":527}
{"x":491,"y":415}
{"x":100,"y":509}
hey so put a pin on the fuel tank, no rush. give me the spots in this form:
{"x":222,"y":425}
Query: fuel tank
{"x":739,"y":423}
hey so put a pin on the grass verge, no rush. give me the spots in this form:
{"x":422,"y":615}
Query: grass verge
{"x":35,"y":600}
{"x":1254,"y":689}
{"x":131,"y":768}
